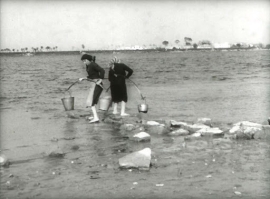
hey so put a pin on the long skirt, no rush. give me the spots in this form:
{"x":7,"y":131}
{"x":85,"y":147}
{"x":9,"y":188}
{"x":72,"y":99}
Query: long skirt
{"x":94,"y":94}
{"x":119,"y":93}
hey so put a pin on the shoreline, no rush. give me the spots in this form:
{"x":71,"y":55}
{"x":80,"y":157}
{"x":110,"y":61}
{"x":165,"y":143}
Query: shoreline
{"x":132,"y":51}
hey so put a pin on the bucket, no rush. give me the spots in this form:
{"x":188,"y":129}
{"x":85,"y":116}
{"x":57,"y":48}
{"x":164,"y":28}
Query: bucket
{"x":143,"y":108}
{"x":68,"y":103}
{"x":105,"y":103}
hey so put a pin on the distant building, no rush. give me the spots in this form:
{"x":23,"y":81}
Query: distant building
{"x":222,"y":45}
{"x":187,"y":47}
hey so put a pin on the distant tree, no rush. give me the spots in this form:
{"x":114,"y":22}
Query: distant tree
{"x":26,"y":49}
{"x":165,"y":43}
{"x":177,"y":41}
{"x":267,"y":46}
{"x":48,"y":48}
{"x":83,"y":46}
{"x":205,"y":42}
{"x":41,"y":48}
{"x":195,"y":46}
{"x":188,"y":41}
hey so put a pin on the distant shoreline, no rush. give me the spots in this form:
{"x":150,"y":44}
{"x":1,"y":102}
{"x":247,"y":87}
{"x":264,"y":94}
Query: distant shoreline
{"x":144,"y":50}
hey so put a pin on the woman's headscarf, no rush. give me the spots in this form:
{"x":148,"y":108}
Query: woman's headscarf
{"x":113,"y":61}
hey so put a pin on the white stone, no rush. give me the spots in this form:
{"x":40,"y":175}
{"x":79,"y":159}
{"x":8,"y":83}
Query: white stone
{"x":247,"y":123}
{"x":138,"y":159}
{"x":234,"y":129}
{"x":206,"y":121}
{"x":195,"y":127}
{"x":248,"y":130}
{"x":175,"y":123}
{"x":179,"y":132}
{"x":141,"y":135}
{"x":152,"y":123}
{"x":209,"y":131}
{"x":196,"y":135}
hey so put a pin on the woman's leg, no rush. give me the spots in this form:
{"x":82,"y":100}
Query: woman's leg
{"x":115,"y":108}
{"x":95,"y":119}
{"x":123,"y":109}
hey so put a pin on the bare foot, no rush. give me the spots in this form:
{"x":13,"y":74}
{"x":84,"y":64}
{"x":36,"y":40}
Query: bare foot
{"x":90,"y":118}
{"x":124,"y":114}
{"x":94,"y":121}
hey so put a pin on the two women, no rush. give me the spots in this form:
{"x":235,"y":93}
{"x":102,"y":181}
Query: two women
{"x":118,"y":74}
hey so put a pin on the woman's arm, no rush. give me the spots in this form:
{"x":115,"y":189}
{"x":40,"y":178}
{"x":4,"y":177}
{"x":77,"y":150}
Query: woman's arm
{"x":100,"y":70}
{"x":129,"y":71}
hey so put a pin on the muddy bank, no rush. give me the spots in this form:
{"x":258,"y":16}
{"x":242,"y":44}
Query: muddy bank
{"x":203,"y":168}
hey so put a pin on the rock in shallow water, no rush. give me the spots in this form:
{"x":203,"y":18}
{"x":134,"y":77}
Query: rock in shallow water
{"x":210,"y":131}
{"x":205,"y":121}
{"x":142,"y":136}
{"x":179,"y":132}
{"x":139,"y":159}
{"x":249,"y":130}
{"x":152,"y":123}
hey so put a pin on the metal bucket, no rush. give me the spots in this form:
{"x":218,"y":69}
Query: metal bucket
{"x":143,"y":108}
{"x":68,"y":103}
{"x":105,"y":103}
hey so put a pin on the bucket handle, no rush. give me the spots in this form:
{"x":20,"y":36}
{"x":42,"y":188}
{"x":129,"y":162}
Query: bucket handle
{"x":69,"y":92}
{"x":143,"y":98}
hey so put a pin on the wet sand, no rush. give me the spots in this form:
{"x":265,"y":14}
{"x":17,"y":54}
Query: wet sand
{"x":35,"y":125}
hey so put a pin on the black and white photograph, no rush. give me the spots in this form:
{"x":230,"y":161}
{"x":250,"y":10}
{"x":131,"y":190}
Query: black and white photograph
{"x":143,"y":99}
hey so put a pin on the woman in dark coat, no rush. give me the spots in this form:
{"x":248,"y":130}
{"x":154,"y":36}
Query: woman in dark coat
{"x":95,"y":75}
{"x":118,"y":74}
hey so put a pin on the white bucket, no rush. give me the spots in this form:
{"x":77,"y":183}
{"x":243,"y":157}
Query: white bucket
{"x":68,"y":103}
{"x":105,"y":103}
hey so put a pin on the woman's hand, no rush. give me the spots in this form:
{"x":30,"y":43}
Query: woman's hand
{"x":81,"y":79}
{"x":99,"y":82}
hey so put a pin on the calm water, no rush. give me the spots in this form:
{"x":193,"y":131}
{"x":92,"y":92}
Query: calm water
{"x":227,"y":87}
{"x":220,"y":77}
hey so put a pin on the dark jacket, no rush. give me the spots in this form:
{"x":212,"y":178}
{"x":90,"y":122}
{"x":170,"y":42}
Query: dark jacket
{"x":95,"y":71}
{"x":119,"y":73}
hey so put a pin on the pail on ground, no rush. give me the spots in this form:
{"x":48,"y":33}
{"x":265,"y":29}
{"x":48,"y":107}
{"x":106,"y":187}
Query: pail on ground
{"x":105,"y":103}
{"x":68,"y":103}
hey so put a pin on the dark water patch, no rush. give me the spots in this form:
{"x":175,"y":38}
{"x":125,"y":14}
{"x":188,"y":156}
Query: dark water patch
{"x":220,"y":78}
{"x":50,"y":110}
{"x":265,"y":66}
{"x":24,"y":146}
{"x":119,"y":138}
{"x":122,"y":148}
{"x":35,"y":118}
{"x":5,"y":107}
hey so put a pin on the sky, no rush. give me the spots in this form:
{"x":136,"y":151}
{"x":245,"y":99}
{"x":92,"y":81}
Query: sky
{"x":68,"y":24}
